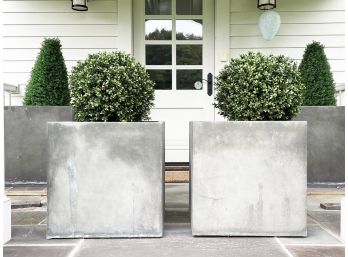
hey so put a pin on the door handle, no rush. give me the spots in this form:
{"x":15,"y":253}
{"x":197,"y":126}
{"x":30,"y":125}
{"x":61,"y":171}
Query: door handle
{"x":210,"y":84}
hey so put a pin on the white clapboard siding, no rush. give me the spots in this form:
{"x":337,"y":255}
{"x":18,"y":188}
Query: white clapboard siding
{"x":26,"y":66}
{"x":286,"y":41}
{"x":31,"y":54}
{"x":290,"y":17}
{"x":27,"y":6}
{"x":293,"y":5}
{"x":59,"y":18}
{"x":61,"y":30}
{"x":334,"y":53}
{"x":27,"y":23}
{"x":339,"y":77}
{"x":303,"y":21}
{"x":242,"y":30}
{"x":16,"y":78}
{"x":67,"y":42}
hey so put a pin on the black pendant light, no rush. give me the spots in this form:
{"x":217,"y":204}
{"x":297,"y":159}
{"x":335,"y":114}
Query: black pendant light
{"x":79,"y":5}
{"x":266,"y":4}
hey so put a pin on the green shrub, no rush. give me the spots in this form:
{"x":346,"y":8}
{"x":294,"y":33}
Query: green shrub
{"x":48,"y":84}
{"x":259,"y":87}
{"x":111,"y":87}
{"x":317,"y":77}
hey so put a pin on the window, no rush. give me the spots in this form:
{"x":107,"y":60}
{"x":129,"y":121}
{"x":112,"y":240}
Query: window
{"x":174,"y":43}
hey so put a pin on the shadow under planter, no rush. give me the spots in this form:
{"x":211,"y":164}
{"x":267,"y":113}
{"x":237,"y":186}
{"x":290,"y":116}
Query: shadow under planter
{"x":325,"y":143}
{"x":248,"y":178}
{"x":26,"y":141}
{"x":105,"y":180}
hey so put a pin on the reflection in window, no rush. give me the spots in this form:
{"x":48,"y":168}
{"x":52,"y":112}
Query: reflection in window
{"x":189,"y":7}
{"x":186,"y":79}
{"x":162,"y":79}
{"x":158,"y":54}
{"x":189,"y":29}
{"x":157,"y":7}
{"x":158,"y":29}
{"x":189,"y":54}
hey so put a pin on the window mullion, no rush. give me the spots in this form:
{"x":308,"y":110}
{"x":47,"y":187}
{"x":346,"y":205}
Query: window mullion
{"x":174,"y":45}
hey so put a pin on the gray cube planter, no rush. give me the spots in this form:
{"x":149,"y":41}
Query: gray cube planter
{"x":105,"y":180}
{"x":325,"y":143}
{"x":248,"y":178}
{"x":26,"y":141}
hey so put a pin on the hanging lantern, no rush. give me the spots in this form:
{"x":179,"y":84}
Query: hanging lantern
{"x":266,"y":4}
{"x":79,"y":5}
{"x":269,"y":24}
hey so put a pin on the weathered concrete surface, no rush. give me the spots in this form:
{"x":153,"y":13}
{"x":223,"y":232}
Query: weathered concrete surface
{"x":325,"y":143}
{"x":248,"y":178}
{"x":105,"y":179}
{"x":26,"y":140}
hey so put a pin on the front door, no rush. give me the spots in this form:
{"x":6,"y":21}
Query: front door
{"x":174,"y":39}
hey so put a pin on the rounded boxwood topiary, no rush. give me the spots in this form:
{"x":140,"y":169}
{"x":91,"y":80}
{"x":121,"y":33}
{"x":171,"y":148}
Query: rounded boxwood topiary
{"x":317,"y":77}
{"x":111,"y":87}
{"x":48,"y":84}
{"x":259,"y":87}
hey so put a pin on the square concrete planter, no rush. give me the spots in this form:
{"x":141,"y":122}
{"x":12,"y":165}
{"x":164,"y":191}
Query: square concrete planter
{"x":325,"y":143}
{"x":26,"y":141}
{"x":105,"y":180}
{"x":248,"y":178}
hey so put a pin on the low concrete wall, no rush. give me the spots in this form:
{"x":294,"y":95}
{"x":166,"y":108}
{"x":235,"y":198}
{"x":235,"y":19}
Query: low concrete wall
{"x":325,"y":143}
{"x":105,"y":179}
{"x":248,"y":178}
{"x":26,"y":141}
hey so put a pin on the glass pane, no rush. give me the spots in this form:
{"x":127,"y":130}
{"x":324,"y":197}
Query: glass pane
{"x":189,"y":29}
{"x":186,"y":79}
{"x":156,"y":7}
{"x":158,"y":54}
{"x":189,"y":54}
{"x":162,"y":78}
{"x":158,"y":29}
{"x":189,"y":7}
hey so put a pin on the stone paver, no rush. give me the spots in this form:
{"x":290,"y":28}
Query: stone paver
{"x":316,"y":251}
{"x":27,"y":218}
{"x":316,"y":235}
{"x":29,"y":238}
{"x":37,"y":251}
{"x":329,"y":219}
{"x":173,"y":246}
{"x":35,"y":234}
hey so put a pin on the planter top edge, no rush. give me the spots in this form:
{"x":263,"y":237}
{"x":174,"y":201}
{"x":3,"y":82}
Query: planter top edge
{"x":324,"y":107}
{"x":35,"y":107}
{"x":100,"y":122}
{"x":249,"y":122}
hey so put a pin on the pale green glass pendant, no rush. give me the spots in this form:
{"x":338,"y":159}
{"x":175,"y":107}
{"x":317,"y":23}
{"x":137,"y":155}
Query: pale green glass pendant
{"x":269,"y":24}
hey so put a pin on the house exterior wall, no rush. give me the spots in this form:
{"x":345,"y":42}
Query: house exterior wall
{"x":302,"y":22}
{"x":105,"y":27}
{"x":108,"y":26}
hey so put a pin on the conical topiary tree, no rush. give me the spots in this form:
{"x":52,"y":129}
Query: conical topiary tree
{"x":48,"y":84}
{"x":317,"y":77}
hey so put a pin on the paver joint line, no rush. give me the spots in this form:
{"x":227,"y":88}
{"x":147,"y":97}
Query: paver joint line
{"x":38,"y":245}
{"x":283,"y":247}
{"x":76,"y":248}
{"x":330,"y":232}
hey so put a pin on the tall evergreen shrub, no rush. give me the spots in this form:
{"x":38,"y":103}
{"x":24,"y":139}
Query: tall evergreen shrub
{"x":317,"y":77}
{"x":48,"y":84}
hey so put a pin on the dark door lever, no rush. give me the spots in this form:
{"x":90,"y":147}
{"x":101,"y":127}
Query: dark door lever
{"x":210,"y":84}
